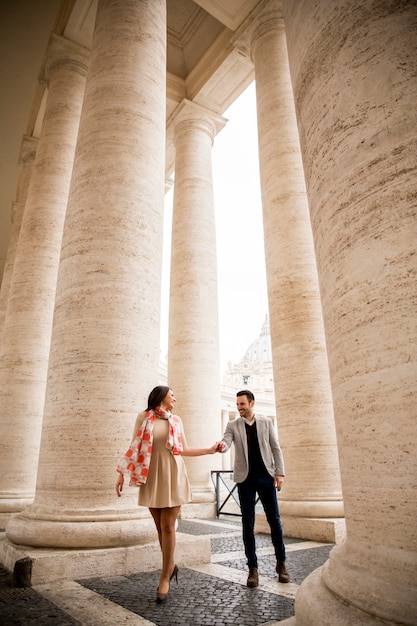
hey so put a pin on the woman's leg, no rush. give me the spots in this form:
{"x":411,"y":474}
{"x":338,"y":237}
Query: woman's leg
{"x":167,"y":520}
{"x":156,"y":514}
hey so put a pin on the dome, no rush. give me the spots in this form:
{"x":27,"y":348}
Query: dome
{"x":260,"y":350}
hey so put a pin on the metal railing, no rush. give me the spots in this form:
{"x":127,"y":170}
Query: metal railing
{"x":231,"y":490}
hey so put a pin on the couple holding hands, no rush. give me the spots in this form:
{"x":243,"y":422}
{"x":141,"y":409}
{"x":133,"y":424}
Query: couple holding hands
{"x":154,"y":463}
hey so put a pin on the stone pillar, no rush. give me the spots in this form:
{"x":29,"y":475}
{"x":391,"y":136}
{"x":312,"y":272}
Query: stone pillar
{"x":31,"y":296}
{"x":312,"y":489}
{"x":26,"y":162}
{"x":193,"y":351}
{"x":354,"y":74}
{"x":105,"y":338}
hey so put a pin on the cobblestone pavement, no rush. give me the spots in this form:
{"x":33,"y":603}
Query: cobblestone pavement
{"x":212,"y":594}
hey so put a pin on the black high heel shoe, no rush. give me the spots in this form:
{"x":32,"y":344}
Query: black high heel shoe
{"x":161,"y":598}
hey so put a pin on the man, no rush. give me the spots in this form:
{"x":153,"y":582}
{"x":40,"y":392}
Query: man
{"x":258,"y":469}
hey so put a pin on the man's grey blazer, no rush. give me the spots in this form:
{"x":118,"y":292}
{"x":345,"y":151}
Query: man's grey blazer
{"x":268,"y":444}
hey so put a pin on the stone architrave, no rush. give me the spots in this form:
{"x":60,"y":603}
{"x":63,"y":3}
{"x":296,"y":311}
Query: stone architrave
{"x":354,"y":74}
{"x":312,"y":489}
{"x":31,"y":294}
{"x":105,"y":337}
{"x":193,"y":350}
{"x":26,"y":162}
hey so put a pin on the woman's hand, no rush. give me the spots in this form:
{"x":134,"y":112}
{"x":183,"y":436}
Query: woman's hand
{"x":119,"y":483}
{"x":216,"y":447}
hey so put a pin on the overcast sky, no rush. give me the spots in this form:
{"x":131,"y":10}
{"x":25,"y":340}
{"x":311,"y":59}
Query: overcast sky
{"x":243,"y":301}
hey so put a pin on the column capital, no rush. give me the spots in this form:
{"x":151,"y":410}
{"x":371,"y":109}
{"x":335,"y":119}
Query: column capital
{"x":62,"y":51}
{"x":189,"y":112}
{"x":267,"y":16}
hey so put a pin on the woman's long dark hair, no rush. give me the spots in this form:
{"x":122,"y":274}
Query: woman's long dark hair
{"x":156,"y":396}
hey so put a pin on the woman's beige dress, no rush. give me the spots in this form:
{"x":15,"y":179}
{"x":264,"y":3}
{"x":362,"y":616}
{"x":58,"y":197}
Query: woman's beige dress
{"x":167,"y":484}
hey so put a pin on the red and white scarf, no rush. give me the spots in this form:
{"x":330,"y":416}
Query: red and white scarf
{"x":138,"y":457}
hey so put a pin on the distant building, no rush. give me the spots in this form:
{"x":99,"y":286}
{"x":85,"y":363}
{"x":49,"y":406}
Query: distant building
{"x":253,"y":372}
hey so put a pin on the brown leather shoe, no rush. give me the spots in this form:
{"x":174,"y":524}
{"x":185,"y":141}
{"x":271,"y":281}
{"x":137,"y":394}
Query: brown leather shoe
{"x":281,"y":570}
{"x":253,"y":578}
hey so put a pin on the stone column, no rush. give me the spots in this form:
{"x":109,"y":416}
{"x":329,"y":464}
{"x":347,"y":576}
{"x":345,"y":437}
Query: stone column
{"x":193,"y":351}
{"x":31,"y":296}
{"x":312,"y":489}
{"x":354,"y":74}
{"x":105,"y":339}
{"x":26,"y":162}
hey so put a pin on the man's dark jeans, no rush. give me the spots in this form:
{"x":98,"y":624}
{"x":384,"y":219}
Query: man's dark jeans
{"x":247,"y":490}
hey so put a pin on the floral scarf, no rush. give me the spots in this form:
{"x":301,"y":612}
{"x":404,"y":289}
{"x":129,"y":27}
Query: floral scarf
{"x":138,"y":457}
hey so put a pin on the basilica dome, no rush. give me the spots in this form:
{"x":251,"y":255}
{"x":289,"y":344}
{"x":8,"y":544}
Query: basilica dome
{"x":254,"y":372}
{"x":260,"y":350}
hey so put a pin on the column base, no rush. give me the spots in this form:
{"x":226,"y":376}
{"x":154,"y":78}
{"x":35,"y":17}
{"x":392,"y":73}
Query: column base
{"x":5,"y":519}
{"x":201,"y":510}
{"x":315,"y":605}
{"x":49,"y":565}
{"x":325,"y":530}
{"x":12,"y":506}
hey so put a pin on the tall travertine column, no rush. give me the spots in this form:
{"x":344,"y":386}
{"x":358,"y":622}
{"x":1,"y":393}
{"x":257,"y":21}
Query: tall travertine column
{"x":301,"y":376}
{"x":26,"y":162}
{"x":193,"y":351}
{"x":105,"y":339}
{"x":354,"y":74}
{"x":31,"y":295}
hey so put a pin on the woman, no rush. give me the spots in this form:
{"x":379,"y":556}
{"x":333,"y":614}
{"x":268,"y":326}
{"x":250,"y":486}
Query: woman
{"x":154,"y":462}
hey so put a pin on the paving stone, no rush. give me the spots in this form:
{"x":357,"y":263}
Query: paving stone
{"x":199,"y":599}
{"x":25,"y":607}
{"x":299,"y":563}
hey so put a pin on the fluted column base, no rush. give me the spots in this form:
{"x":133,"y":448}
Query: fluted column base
{"x":81,"y":530}
{"x":322,"y":529}
{"x":360,"y":584}
{"x":316,"y":604}
{"x":311,"y":508}
{"x":199,"y":510}
{"x":11,"y":506}
{"x":315,"y":520}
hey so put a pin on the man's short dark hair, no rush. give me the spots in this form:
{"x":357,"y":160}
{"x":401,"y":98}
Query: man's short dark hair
{"x":247,"y":393}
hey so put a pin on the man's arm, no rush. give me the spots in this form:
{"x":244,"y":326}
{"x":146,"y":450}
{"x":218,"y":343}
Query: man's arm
{"x":276,"y":453}
{"x":227,"y":440}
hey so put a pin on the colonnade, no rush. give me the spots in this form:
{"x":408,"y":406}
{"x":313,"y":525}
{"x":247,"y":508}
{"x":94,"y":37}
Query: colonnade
{"x":80,"y":340}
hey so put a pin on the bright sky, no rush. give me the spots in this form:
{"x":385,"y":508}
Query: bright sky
{"x":243,"y":302}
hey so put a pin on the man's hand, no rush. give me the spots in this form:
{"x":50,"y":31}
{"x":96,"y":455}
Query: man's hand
{"x":278,"y":482}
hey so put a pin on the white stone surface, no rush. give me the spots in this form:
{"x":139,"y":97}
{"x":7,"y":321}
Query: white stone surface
{"x":301,"y":377}
{"x":31,"y":294}
{"x":353,"y":69}
{"x":314,"y":528}
{"x":26,"y":162}
{"x":89,"y":608}
{"x":105,"y":339}
{"x":193,"y":351}
{"x":51,"y":565}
